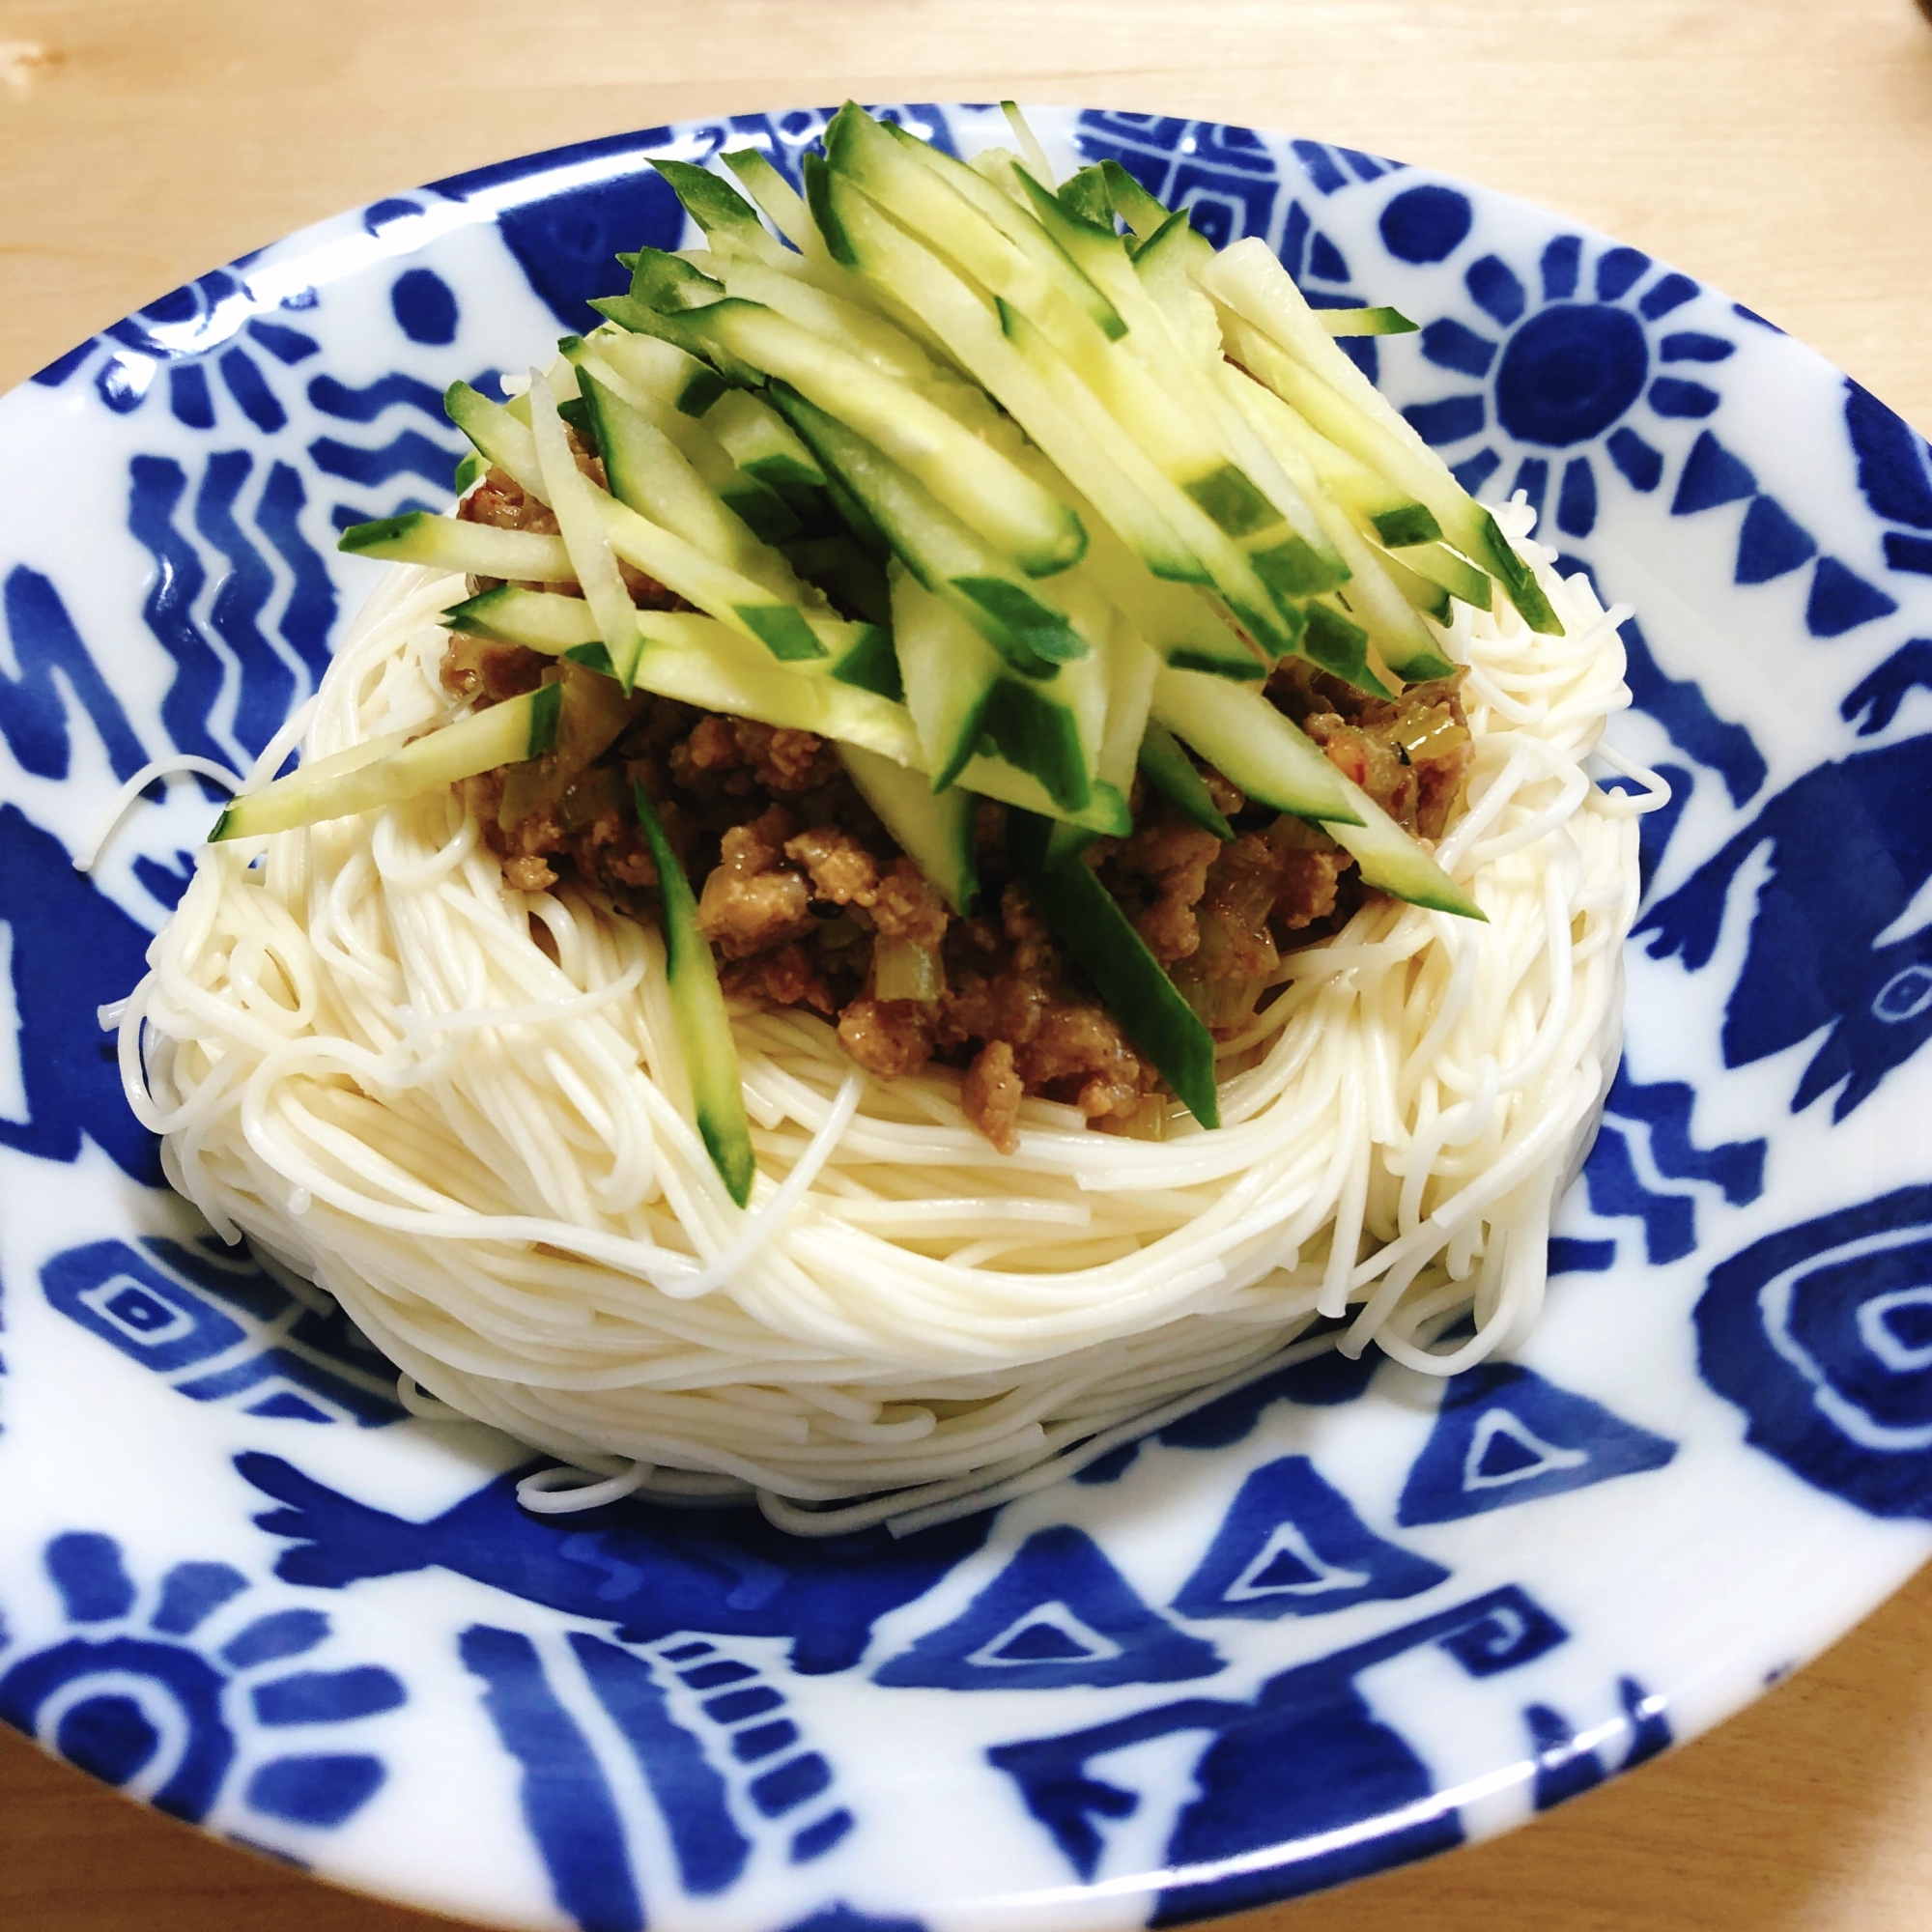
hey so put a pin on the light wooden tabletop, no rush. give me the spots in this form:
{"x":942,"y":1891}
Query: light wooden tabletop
{"x":1779,"y":149}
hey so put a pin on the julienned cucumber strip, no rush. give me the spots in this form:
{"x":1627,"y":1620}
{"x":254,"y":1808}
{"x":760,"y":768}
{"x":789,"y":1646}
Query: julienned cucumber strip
{"x":754,"y":503}
{"x":499,"y":436}
{"x":1394,"y":863}
{"x":726,"y":218}
{"x":935,"y":830}
{"x":1247,"y":470}
{"x":1275,"y":764}
{"x":1365,"y":322}
{"x":783,"y":205}
{"x":1087,"y":196}
{"x":540,"y":620}
{"x":1133,"y":203}
{"x":1129,"y":979}
{"x":972,"y":480}
{"x":661,"y":368}
{"x":864,"y":332}
{"x":1464,"y":521}
{"x":1441,"y":565}
{"x":704,"y":1026}
{"x":1423,"y":595}
{"x":943,"y":204}
{"x":1252,"y":744}
{"x":389,"y":772}
{"x":1405,"y":643}
{"x":1171,"y":772}
{"x":1132,"y":665}
{"x":670,"y":283}
{"x":758,"y":439}
{"x":472,"y":550}
{"x":577,"y":502}
{"x":1096,"y":456}
{"x":951,"y":559}
{"x":649,"y":472}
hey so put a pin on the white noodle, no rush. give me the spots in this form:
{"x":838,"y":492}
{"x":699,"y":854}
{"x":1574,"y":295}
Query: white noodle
{"x":361,"y":1060}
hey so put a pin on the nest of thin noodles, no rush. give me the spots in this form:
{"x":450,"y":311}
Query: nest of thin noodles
{"x":360,"y":1059}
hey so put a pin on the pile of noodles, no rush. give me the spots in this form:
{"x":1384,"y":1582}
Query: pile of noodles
{"x":361,"y":1060}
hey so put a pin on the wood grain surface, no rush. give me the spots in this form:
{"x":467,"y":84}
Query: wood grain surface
{"x":1779,"y":149}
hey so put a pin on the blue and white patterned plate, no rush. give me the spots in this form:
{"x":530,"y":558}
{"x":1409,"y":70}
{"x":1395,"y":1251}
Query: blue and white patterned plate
{"x":1343,"y":1619}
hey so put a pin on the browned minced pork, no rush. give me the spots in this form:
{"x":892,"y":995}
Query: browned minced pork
{"x":798,"y":882}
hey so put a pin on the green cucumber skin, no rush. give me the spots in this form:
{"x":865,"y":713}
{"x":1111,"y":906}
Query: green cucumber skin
{"x":1412,"y":524}
{"x":476,"y":549}
{"x":1133,"y":203}
{"x":1382,"y":321}
{"x":1341,"y":646}
{"x":499,"y":439}
{"x":1238,"y":731}
{"x":760,"y":509}
{"x":540,"y":620}
{"x":782,"y":631}
{"x":704,"y":1026}
{"x":1130,"y":981}
{"x":1394,"y":863}
{"x":507,"y":733}
{"x":1086,"y":197}
{"x":716,"y":207}
{"x":940,"y":551}
{"x":932,"y":195}
{"x":756,"y":439}
{"x":935,"y":830}
{"x":873,"y":665}
{"x":1171,"y":772}
{"x":974,"y":480}
{"x":670,"y":284}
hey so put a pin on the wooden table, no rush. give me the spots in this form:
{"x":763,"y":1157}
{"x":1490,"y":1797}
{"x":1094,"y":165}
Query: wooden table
{"x":1780,"y":149}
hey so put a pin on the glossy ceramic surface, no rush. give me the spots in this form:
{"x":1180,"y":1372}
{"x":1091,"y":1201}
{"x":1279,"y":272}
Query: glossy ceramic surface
{"x":1346,"y":1618}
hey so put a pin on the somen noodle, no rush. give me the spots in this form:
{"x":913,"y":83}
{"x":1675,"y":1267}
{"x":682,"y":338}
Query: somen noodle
{"x":460,"y":1111}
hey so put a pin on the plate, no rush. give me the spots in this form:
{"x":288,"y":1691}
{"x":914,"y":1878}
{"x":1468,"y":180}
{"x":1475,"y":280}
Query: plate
{"x":1345,"y":1618}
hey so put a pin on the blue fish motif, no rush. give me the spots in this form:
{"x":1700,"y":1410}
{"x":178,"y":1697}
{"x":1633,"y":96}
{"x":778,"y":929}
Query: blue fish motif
{"x":1853,"y":835}
{"x":649,"y":1570}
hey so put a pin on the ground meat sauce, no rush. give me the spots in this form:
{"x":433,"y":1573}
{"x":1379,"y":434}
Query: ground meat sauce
{"x":807,"y":901}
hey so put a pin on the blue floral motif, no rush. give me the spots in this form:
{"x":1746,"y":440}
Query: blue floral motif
{"x":1823,"y":1336}
{"x":155,"y":1704}
{"x":667,"y":1706}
